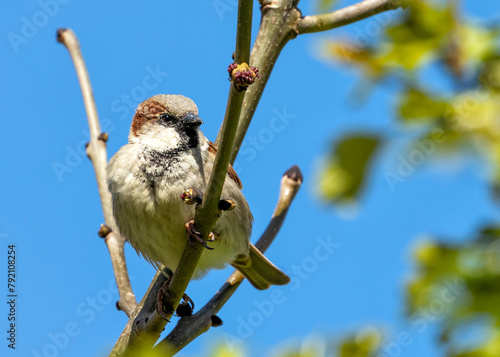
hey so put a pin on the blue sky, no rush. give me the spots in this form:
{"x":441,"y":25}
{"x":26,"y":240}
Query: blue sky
{"x":51,"y":210}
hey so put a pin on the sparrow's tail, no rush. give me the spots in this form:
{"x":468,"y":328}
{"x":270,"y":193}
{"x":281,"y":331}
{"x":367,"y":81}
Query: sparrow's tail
{"x":259,"y":270}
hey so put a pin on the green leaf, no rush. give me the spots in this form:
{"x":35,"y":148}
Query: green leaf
{"x":490,"y":75}
{"x":462,"y":279}
{"x":417,"y":106}
{"x":344,"y":175}
{"x":351,"y":54}
{"x":363,"y":344}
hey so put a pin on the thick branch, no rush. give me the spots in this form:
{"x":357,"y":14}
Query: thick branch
{"x":96,"y":151}
{"x":346,"y":15}
{"x":206,"y":215}
{"x":190,"y":327}
{"x":135,"y":335}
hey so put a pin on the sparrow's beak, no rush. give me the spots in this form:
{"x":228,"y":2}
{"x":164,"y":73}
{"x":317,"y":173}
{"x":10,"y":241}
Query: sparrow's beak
{"x":191,"y":120}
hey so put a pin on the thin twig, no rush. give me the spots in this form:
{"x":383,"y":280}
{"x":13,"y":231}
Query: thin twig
{"x":244,"y":31}
{"x":96,"y":151}
{"x":190,"y":327}
{"x":347,"y":15}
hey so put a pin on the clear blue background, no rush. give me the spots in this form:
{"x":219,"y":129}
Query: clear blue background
{"x":65,"y":281}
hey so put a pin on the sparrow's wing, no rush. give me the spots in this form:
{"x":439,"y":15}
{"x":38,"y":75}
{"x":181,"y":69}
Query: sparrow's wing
{"x":255,"y":266}
{"x":259,"y":270}
{"x":230,"y":171}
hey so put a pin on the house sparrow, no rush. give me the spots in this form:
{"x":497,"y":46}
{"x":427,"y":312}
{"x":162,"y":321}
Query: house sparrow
{"x":167,"y":154}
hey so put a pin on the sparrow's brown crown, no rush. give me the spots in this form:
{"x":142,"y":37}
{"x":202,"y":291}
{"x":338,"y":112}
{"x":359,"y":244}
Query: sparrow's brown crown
{"x":151,"y":109}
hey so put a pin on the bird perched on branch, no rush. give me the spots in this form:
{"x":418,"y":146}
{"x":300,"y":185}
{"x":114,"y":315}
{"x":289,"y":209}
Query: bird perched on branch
{"x":168,"y":161}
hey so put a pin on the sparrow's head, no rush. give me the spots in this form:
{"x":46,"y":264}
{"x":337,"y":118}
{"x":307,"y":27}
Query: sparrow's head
{"x":166,"y":120}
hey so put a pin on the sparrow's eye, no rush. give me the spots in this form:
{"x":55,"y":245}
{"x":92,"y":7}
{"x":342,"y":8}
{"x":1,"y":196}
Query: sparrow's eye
{"x":166,"y":118}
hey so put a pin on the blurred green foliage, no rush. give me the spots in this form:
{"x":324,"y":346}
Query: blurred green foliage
{"x":326,"y":5}
{"x":457,"y":284}
{"x":344,"y":173}
{"x":361,"y":344}
{"x":430,"y":35}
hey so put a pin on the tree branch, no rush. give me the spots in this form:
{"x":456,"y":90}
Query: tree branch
{"x":282,"y":22}
{"x":276,"y":29}
{"x":96,"y":151}
{"x":190,"y":327}
{"x":206,"y":215}
{"x":145,"y":325}
{"x":347,"y":15}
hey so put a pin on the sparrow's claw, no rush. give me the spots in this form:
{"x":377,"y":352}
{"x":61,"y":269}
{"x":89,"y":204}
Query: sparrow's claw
{"x":186,"y":307}
{"x":227,"y":205}
{"x":192,"y":196}
{"x":162,"y":309}
{"x":194,"y":235}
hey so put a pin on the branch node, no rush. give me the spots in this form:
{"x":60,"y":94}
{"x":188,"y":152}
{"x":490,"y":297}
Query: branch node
{"x":192,"y":196}
{"x":104,"y":230}
{"x":216,"y":321}
{"x":88,"y":150}
{"x":295,"y":174}
{"x":103,"y":137}
{"x":59,"y":35}
{"x":226,"y":205}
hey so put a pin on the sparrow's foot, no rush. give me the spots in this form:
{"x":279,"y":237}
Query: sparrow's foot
{"x":186,"y":307}
{"x":195,"y":236}
{"x":192,"y":196}
{"x":162,"y":309}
